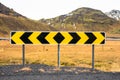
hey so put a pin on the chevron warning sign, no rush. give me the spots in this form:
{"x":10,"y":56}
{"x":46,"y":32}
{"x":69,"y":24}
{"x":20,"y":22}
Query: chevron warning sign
{"x":21,"y":37}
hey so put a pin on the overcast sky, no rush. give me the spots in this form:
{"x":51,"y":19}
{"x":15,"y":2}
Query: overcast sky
{"x":37,"y":9}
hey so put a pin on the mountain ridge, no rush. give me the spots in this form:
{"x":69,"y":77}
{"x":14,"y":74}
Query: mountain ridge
{"x":13,"y":21}
{"x":115,"y":14}
{"x":7,"y":11}
{"x":81,"y":19}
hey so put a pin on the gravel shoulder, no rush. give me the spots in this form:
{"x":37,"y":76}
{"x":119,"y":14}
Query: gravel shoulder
{"x":44,"y":72}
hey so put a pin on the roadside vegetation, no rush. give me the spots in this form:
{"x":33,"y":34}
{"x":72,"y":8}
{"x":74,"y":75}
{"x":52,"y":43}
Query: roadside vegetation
{"x":106,"y":56}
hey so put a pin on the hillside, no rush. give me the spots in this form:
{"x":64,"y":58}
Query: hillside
{"x":13,"y":21}
{"x":114,"y":14}
{"x":82,"y":19}
{"x":9,"y":23}
{"x":7,"y":11}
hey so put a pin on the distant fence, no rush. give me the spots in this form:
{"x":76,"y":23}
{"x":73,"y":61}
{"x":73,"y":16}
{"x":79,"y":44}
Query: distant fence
{"x":1,"y":38}
{"x":107,"y":38}
{"x":113,"y":38}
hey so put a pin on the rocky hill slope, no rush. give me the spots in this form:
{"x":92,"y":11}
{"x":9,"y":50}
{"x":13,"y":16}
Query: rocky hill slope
{"x":13,"y":21}
{"x":83,"y":19}
{"x":114,"y":14}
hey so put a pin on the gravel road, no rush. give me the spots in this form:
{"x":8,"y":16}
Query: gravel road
{"x":44,"y":72}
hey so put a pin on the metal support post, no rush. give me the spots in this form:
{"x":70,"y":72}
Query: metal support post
{"x":23,"y":54}
{"x":93,"y":57}
{"x":59,"y":55}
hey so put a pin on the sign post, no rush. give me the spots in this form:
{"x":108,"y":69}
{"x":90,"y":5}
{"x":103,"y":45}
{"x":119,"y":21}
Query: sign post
{"x":93,"y":57}
{"x":59,"y":38}
{"x":58,"y":55}
{"x":23,"y":54}
{"x":21,"y":37}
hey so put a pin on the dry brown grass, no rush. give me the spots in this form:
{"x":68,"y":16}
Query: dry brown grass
{"x":107,"y":57}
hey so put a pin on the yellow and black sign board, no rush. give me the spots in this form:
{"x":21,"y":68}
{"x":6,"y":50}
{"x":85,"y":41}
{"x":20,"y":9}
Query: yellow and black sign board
{"x":21,"y":37}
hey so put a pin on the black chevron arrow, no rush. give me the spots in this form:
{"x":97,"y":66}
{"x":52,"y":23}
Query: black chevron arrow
{"x":103,"y":42}
{"x":91,"y":39}
{"x":42,"y":36}
{"x":25,"y":36}
{"x":12,"y":33}
{"x":75,"y":39}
